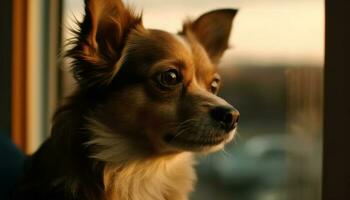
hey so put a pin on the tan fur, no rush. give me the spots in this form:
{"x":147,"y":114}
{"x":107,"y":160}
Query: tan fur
{"x":139,"y":165}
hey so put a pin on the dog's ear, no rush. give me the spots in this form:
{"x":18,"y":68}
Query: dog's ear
{"x":100,"y":41}
{"x":212,"y":30}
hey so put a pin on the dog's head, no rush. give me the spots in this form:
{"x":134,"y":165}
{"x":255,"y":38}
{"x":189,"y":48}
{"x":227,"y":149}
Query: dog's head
{"x":153,"y":90}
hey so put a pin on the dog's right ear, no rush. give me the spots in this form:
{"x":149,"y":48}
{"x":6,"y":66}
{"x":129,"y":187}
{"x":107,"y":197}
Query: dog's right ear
{"x":100,"y":41}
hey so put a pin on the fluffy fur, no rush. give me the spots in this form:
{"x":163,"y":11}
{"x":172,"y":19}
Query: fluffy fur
{"x":145,"y":103}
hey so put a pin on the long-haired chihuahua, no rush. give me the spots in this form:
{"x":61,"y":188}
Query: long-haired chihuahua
{"x":145,"y":103}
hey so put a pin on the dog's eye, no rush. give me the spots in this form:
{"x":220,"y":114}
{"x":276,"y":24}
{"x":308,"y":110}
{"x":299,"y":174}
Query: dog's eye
{"x":214,"y":86}
{"x":169,"y":78}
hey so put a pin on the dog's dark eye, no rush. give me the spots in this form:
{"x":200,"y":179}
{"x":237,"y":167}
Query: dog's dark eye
{"x":214,"y":86}
{"x":169,"y":78}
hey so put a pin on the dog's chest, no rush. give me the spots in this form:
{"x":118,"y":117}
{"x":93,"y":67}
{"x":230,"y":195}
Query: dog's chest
{"x":170,"y":179}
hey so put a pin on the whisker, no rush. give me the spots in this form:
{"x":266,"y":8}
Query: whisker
{"x":187,"y":122}
{"x":236,"y":137}
{"x":225,"y":153}
{"x":181,"y":131}
{"x":178,"y":126}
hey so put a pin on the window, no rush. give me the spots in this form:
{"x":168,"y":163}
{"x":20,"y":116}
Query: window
{"x":273,"y":75}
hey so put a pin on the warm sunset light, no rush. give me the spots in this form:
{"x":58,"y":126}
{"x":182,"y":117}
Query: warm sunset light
{"x":192,"y":100}
{"x":266,"y":31}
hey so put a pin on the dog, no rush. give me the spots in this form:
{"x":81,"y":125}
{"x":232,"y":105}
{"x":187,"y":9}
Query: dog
{"x":146,"y":102}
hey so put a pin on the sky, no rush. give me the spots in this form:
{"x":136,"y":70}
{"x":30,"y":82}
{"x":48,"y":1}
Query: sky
{"x":265,"y":32}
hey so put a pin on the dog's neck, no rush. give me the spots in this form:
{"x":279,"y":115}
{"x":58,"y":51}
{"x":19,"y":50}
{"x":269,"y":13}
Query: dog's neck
{"x":134,"y":172}
{"x":164,"y":178}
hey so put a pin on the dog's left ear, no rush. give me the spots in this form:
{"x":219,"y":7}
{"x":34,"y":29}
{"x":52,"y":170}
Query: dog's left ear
{"x":212,"y":30}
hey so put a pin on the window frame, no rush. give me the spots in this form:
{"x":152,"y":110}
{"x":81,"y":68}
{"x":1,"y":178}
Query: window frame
{"x":336,"y":159}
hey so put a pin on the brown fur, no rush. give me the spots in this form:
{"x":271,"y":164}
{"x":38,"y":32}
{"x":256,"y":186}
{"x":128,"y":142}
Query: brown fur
{"x":122,"y":135}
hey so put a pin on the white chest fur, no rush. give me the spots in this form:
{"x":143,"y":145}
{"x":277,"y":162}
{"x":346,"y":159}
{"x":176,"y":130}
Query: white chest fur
{"x":168,"y":178}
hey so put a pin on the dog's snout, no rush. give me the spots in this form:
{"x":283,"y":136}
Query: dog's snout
{"x":227,"y":116}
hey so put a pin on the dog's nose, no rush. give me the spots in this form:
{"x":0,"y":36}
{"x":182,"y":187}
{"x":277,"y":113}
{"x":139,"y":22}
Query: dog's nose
{"x":227,"y":116}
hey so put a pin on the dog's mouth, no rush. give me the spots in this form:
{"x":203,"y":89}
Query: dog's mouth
{"x":198,"y":136}
{"x":170,"y":138}
{"x":195,"y":144}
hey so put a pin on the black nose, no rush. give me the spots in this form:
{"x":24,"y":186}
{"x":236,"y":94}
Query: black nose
{"x":227,"y":116}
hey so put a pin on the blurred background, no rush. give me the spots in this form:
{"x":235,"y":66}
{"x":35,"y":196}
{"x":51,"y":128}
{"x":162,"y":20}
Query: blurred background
{"x":273,"y":74}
